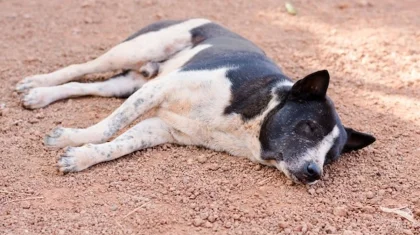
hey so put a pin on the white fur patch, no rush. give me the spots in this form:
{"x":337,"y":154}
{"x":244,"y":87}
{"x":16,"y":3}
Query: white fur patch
{"x":42,"y":96}
{"x":180,"y":59}
{"x":318,"y":153}
{"x":284,"y":83}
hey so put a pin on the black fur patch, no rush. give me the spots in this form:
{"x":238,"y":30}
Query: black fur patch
{"x":252,"y":97}
{"x":211,"y":30}
{"x":267,"y":153}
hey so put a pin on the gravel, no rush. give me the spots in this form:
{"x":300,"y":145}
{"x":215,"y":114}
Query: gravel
{"x":371,"y":52}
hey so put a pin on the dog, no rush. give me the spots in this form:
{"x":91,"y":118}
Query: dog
{"x":208,"y":86}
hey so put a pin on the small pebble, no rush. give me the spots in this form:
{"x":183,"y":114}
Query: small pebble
{"x":258,"y":167}
{"x":33,"y":121}
{"x":114,"y":207}
{"x":369,"y":209}
{"x":407,"y":231}
{"x":39,"y":116}
{"x":227,"y":224}
{"x":207,"y":224}
{"x":202,"y":159}
{"x":211,"y":218}
{"x":2,"y":109}
{"x":364,"y":3}
{"x":26,"y":205}
{"x":159,"y":15}
{"x":342,"y":6}
{"x":290,"y":183}
{"x":16,"y":123}
{"x":358,"y":205}
{"x":370,"y":195}
{"x":225,"y":168}
{"x":88,"y":20}
{"x":87,"y":4}
{"x":214,"y":167}
{"x":198,"y":222}
{"x":304,"y":227}
{"x":330,"y":229}
{"x":348,"y":232}
{"x":290,"y":8}
{"x":340,"y":211}
{"x":311,"y":191}
{"x":298,"y":228}
{"x":381,"y":192}
{"x":204,"y":215}
{"x":283,"y":225}
{"x":236,"y":216}
{"x":417,"y":212}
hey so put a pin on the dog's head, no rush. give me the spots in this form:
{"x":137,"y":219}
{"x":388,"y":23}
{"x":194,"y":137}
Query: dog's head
{"x":304,"y":132}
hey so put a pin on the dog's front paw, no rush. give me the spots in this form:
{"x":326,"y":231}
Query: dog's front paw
{"x":60,"y":137}
{"x":75,"y":159}
{"x":37,"y":98}
{"x":31,"y":82}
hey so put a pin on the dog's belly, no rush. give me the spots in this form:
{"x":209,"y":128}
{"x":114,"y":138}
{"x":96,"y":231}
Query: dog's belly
{"x":187,"y":131}
{"x":194,"y":108}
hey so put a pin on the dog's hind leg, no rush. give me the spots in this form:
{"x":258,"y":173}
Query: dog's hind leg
{"x":153,"y":46}
{"x":150,"y":95}
{"x":121,"y":85}
{"x":148,"y":133}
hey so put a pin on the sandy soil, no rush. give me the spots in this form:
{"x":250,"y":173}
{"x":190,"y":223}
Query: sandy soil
{"x":371,"y":48}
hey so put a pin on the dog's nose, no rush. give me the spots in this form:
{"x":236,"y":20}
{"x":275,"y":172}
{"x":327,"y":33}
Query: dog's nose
{"x":313,"y":171}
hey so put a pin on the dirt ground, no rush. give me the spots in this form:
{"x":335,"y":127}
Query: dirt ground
{"x":371,"y":48}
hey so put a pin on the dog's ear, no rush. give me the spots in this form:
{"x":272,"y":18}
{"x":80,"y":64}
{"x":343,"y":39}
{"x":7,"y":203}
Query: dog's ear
{"x":357,"y":140}
{"x":313,"y":86}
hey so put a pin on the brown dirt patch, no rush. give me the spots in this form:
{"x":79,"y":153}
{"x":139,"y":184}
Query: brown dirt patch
{"x":371,"y":48}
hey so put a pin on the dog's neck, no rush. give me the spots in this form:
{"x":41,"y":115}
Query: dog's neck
{"x":280,"y":93}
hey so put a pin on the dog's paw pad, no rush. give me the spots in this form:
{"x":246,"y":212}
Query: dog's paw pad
{"x":56,"y":132}
{"x":36,"y":98}
{"x":76,"y":159}
{"x":68,"y":161}
{"x":57,"y":138}
{"x":24,"y":85}
{"x":27,"y":83}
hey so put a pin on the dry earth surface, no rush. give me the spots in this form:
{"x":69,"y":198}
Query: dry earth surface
{"x":371,"y":49}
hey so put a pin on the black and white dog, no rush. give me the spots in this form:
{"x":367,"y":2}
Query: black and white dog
{"x":210,"y":87}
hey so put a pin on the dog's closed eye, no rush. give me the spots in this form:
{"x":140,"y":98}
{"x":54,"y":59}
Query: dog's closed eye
{"x":305,"y":127}
{"x":308,"y":128}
